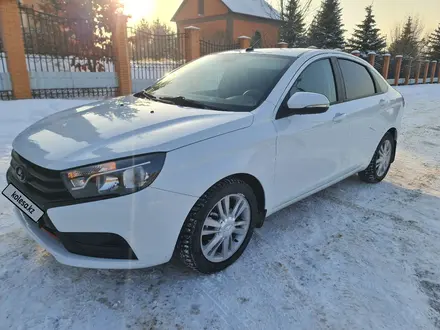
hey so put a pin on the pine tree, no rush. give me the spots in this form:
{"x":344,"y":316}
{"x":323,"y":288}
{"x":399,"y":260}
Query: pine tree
{"x":293,"y":28}
{"x":407,"y":43}
{"x":434,"y":45}
{"x":326,"y":30}
{"x":366,"y":36}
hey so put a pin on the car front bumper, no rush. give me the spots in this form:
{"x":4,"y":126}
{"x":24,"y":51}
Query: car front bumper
{"x":149,"y":221}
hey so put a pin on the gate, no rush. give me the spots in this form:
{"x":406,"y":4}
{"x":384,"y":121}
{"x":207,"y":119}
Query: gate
{"x":207,"y":47}
{"x":67,"y":57}
{"x":5,"y":79}
{"x":153,"y":56}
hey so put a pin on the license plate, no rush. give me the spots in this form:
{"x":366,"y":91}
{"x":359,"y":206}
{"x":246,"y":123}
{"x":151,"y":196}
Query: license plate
{"x":23,"y":203}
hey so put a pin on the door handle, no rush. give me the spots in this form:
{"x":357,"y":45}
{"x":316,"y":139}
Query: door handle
{"x":339,"y":117}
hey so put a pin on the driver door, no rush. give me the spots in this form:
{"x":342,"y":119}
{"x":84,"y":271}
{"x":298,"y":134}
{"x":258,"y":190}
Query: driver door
{"x":310,"y":148}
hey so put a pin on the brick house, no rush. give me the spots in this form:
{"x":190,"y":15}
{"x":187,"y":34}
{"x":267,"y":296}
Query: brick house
{"x":226,"y":20}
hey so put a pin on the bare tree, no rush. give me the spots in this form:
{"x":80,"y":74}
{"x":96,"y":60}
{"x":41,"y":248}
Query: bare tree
{"x":280,"y":5}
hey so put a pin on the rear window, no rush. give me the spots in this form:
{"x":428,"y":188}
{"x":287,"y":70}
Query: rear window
{"x":357,"y":79}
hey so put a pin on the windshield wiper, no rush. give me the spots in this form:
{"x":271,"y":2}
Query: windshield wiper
{"x":150,"y":96}
{"x":183,"y":101}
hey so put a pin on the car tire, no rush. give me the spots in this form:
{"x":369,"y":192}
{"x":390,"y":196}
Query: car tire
{"x":195,"y":241}
{"x":379,"y":166}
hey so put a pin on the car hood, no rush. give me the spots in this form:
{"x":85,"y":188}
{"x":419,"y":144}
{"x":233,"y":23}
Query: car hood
{"x":120,"y":128}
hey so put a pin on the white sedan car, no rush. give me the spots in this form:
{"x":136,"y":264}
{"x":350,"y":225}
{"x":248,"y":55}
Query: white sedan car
{"x":190,"y":166}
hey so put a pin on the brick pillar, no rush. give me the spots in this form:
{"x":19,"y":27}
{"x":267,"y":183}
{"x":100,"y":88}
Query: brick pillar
{"x":356,"y":53}
{"x":399,"y":59}
{"x":371,"y":58}
{"x":120,"y":51}
{"x":386,"y":65}
{"x":426,"y":70}
{"x":192,"y":43}
{"x":245,"y":42}
{"x":408,"y":72}
{"x":418,"y":70}
{"x":433,"y":68}
{"x":283,"y":45}
{"x":438,"y":74}
{"x":10,"y":22}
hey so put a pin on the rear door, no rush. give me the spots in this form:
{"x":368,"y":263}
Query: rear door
{"x":363,"y":105}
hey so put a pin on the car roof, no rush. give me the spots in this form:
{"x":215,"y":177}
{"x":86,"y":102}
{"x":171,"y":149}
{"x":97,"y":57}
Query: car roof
{"x":292,"y":52}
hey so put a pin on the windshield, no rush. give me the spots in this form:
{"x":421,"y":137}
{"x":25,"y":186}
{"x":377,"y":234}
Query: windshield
{"x":227,"y":81}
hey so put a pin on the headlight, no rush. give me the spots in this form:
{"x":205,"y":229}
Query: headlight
{"x":119,"y":177}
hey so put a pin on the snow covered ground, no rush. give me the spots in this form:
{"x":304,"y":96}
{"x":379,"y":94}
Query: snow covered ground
{"x":354,"y":256}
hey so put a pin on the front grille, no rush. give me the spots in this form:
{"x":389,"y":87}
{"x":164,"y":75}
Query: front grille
{"x":43,"y":186}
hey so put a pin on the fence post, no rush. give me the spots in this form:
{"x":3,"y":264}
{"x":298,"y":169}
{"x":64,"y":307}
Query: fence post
{"x":438,"y":74}
{"x":408,"y":72}
{"x":192,"y":43}
{"x":425,"y":73}
{"x":372,"y":58}
{"x":399,"y":59}
{"x":122,"y":59}
{"x":433,"y":68}
{"x":418,"y":70}
{"x":12,"y":34}
{"x":386,"y":65}
{"x":244,"y":41}
{"x":283,"y":44}
{"x":356,"y":53}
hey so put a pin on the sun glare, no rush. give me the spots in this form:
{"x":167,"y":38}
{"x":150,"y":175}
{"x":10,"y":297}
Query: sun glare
{"x":139,"y":9}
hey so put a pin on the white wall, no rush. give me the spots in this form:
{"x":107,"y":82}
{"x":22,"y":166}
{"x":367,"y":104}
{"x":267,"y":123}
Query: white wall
{"x":47,"y":80}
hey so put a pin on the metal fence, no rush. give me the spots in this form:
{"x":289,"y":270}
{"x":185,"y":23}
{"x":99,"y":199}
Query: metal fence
{"x":67,"y":57}
{"x":5,"y":80}
{"x":153,"y":56}
{"x":207,"y":47}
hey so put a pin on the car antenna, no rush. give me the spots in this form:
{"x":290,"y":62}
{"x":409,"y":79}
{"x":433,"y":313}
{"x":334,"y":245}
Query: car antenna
{"x":252,"y":47}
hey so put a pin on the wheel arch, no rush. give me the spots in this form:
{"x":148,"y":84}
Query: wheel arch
{"x":393,"y":132}
{"x":256,"y":187}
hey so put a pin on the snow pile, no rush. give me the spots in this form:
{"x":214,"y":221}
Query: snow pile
{"x":354,"y":256}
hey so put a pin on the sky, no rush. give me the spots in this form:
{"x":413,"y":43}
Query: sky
{"x":388,"y":12}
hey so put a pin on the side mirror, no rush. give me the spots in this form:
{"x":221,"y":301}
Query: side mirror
{"x":304,"y":103}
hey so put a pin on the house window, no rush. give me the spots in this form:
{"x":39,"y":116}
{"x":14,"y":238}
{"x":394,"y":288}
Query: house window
{"x":201,"y":7}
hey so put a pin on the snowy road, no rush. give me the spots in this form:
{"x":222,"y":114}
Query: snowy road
{"x":354,"y":256}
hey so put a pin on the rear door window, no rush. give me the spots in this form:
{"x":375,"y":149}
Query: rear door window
{"x":358,"y":81}
{"x":381,"y":84}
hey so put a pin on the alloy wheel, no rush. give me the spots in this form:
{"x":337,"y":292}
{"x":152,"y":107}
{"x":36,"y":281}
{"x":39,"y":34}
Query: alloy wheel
{"x":384,"y":158}
{"x":225,"y":228}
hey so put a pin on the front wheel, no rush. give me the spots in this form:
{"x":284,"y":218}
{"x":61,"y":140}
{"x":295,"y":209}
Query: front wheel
{"x":219,"y":227}
{"x":381,"y":162}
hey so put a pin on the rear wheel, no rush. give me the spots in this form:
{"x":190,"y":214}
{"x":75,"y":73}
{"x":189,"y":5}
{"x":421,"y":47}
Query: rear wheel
{"x":219,"y":227}
{"x":381,"y":162}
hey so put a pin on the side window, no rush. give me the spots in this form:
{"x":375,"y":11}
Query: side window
{"x":317,"y":78}
{"x":381,"y":84}
{"x":357,"y":79}
{"x":201,"y":7}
